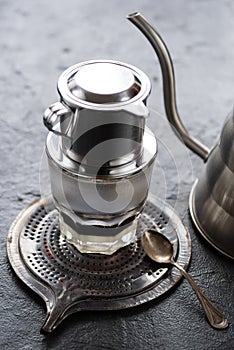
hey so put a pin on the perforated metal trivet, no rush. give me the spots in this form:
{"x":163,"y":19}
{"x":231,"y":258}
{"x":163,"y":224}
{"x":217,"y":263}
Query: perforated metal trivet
{"x":69,"y":281}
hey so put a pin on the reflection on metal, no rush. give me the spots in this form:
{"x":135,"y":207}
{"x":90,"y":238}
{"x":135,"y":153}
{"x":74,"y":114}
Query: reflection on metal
{"x":224,"y":246}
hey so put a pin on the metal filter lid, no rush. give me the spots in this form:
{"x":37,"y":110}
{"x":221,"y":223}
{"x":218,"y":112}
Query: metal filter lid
{"x":101,"y":102}
{"x":103,"y":84}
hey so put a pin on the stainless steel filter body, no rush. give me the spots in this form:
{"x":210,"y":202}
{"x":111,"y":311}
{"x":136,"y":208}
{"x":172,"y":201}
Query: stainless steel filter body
{"x":100,"y":153}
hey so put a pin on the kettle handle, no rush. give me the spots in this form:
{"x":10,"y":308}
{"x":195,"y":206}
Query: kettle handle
{"x":168,"y":84}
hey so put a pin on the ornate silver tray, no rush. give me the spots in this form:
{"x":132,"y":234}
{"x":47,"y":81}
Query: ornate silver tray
{"x":69,"y":281}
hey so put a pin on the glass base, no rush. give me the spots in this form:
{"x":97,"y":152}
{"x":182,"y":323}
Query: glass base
{"x":97,"y":239}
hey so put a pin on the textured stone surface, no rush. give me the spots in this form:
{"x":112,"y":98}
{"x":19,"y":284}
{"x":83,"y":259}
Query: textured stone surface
{"x":38,"y":40}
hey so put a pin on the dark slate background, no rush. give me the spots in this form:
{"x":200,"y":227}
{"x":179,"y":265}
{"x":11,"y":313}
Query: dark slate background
{"x":38,"y":40}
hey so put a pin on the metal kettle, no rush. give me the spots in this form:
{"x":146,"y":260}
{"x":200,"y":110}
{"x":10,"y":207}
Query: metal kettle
{"x":211,"y":201}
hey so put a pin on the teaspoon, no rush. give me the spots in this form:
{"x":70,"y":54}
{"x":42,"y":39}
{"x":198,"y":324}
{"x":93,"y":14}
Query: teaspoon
{"x":160,"y":249}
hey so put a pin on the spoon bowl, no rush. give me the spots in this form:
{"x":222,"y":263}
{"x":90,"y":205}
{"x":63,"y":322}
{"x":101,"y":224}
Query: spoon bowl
{"x":157,"y":246}
{"x":160,"y":249}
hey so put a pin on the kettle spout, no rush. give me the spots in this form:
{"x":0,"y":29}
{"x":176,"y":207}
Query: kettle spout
{"x":168,"y":84}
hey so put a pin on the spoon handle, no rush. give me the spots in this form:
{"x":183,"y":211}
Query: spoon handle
{"x":215,"y":317}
